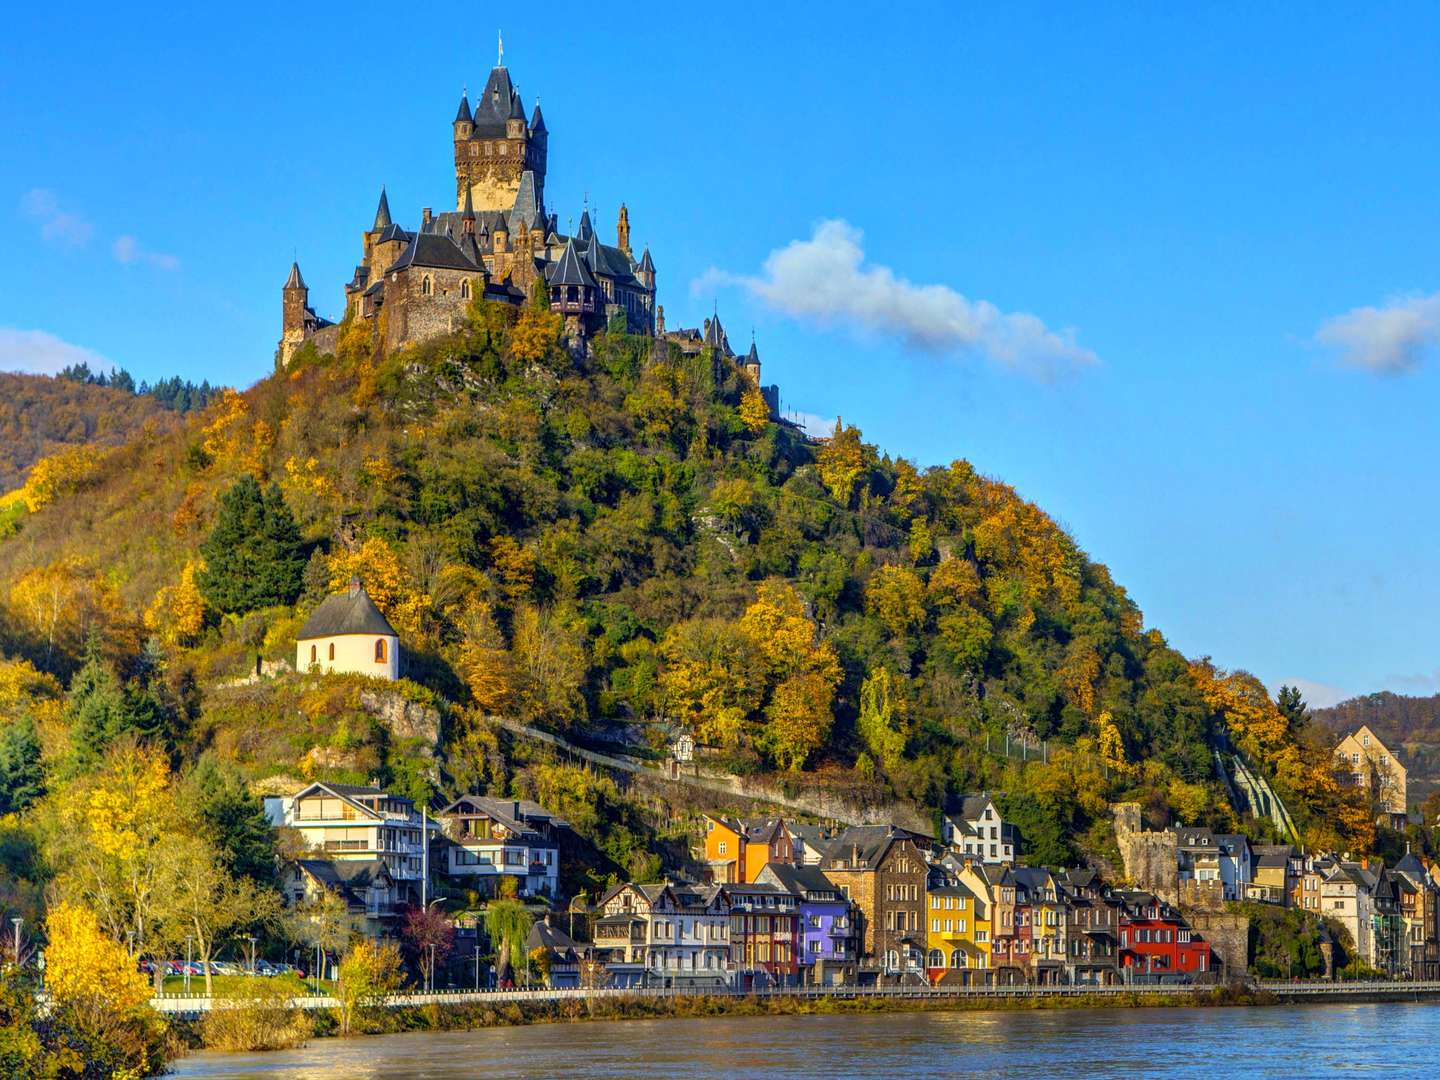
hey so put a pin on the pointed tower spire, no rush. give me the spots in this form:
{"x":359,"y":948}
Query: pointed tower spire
{"x":537,"y":122}
{"x":295,"y":281}
{"x":382,"y":212}
{"x":467,"y":217}
{"x":464,"y":115}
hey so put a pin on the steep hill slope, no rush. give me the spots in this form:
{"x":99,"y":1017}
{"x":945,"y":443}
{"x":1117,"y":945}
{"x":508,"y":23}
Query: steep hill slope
{"x":630,"y":539}
{"x":40,"y":415}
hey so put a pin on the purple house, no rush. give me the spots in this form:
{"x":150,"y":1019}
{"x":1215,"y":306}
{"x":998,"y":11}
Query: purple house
{"x":828,"y":952}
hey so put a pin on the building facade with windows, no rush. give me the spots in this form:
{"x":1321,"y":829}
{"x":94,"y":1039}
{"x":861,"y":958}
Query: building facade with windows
{"x":355,"y":823}
{"x":489,"y":840}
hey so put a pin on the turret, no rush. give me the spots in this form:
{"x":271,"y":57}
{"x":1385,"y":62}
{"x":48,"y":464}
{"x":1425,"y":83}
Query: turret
{"x":646,"y":273}
{"x":467,"y":216}
{"x":622,"y":230}
{"x":500,"y":235}
{"x":294,"y":299}
{"x":515,"y":122}
{"x":382,"y":212}
{"x":752,"y":360}
{"x":464,"y":119}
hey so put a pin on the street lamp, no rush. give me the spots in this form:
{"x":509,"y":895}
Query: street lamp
{"x":188,"y":939}
{"x":432,"y":967}
{"x":251,"y":938}
{"x":17,"y":920}
{"x":477,"y":968}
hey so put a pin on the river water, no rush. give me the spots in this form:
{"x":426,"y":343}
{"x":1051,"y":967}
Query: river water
{"x":1282,"y":1041}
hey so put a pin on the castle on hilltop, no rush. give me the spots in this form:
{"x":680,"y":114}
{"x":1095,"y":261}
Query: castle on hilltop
{"x":499,"y":243}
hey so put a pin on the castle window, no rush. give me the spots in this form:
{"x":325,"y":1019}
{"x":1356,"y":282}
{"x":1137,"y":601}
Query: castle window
{"x":425,"y":286}
{"x":312,"y":654}
{"x":380,"y":651}
{"x":572,"y":293}
{"x":465,"y":290}
{"x":332,"y":650}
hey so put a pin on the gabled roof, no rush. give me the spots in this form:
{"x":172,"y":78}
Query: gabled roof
{"x":350,"y":612}
{"x":570,"y":269}
{"x":865,"y":843}
{"x":552,"y":939}
{"x":803,"y":881}
{"x":514,"y":814}
{"x":1410,"y":866}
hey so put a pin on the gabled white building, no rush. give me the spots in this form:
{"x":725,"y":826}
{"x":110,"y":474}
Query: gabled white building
{"x":343,"y":822}
{"x":977,"y":829}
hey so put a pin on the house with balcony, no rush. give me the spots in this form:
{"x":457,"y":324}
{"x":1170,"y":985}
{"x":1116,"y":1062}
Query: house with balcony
{"x":1092,"y":929}
{"x":486,"y":840}
{"x":958,"y":953}
{"x":372,"y":900}
{"x":765,"y":941}
{"x":669,"y":935}
{"x":828,"y":942}
{"x":357,"y":823}
{"x":977,"y":829}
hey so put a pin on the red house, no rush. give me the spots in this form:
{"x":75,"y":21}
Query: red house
{"x":764,"y":935}
{"x":1156,"y":941}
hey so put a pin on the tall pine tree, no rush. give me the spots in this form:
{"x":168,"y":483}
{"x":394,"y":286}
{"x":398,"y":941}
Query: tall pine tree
{"x":254,"y":557}
{"x":22,"y":776}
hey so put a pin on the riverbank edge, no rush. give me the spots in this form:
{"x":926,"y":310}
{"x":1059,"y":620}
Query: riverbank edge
{"x":473,"y":1016}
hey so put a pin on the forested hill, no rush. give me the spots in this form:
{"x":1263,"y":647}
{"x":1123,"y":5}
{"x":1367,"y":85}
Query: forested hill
{"x":1410,"y":726}
{"x":631,"y":537}
{"x":39,"y":415}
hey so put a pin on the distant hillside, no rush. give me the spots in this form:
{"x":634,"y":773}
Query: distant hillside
{"x":40,"y":415}
{"x":1409,"y":726}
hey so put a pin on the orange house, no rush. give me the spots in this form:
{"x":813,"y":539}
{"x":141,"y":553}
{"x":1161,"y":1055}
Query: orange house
{"x":737,"y":850}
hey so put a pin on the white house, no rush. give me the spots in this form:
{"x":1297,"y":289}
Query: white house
{"x":1223,"y":857}
{"x":495,"y":838}
{"x":978,"y":830}
{"x":347,"y":633}
{"x":347,"y":822}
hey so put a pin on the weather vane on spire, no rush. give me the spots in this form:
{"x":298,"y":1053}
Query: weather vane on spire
{"x":500,"y":59}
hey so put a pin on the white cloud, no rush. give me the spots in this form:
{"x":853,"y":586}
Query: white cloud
{"x":813,"y":424}
{"x":57,"y":226}
{"x":825,"y":280}
{"x":40,"y":353}
{"x":1317,"y":695}
{"x":1391,"y":339}
{"x":127,"y":250}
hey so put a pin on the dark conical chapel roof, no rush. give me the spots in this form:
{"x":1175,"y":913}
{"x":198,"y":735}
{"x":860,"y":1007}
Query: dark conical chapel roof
{"x":350,"y":612}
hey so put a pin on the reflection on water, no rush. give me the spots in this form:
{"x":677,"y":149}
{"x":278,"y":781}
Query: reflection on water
{"x":1217,"y":1043}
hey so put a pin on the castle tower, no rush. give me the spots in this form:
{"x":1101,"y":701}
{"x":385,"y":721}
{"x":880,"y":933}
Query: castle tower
{"x":646,"y":272}
{"x":382,"y":222}
{"x":494,"y":146}
{"x":294,"y":299}
{"x":752,"y":361}
{"x":622,"y":230}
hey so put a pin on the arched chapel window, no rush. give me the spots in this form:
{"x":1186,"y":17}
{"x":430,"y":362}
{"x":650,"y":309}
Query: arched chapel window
{"x":380,"y":651}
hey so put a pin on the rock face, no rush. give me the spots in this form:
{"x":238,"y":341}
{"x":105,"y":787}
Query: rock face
{"x":407,"y":721}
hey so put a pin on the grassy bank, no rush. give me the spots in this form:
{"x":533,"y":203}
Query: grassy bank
{"x":472,"y":1016}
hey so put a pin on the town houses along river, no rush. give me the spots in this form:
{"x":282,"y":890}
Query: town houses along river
{"x":1281,"y":1041}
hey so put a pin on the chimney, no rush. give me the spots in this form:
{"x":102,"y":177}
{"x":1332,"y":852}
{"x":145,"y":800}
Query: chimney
{"x":425,"y":218}
{"x":517,"y":811}
{"x":855,"y":855}
{"x":354,"y":586}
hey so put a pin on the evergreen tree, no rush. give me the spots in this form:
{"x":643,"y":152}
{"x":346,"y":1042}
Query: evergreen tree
{"x":253,"y":557}
{"x":22,"y":777}
{"x":1292,"y":706}
{"x":236,"y":818}
{"x":94,"y":711}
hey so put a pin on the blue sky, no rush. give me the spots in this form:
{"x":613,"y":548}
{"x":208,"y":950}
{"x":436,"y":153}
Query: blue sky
{"x":1173,"y":275}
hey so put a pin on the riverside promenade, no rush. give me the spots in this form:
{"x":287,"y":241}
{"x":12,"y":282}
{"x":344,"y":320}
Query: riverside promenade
{"x":194,"y":1005}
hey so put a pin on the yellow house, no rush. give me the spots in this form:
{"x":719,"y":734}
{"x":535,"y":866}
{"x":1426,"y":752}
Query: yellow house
{"x":1374,"y":768}
{"x":957,"y":935}
{"x":347,"y":633}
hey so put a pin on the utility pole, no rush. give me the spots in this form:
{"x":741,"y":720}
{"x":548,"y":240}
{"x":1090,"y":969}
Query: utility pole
{"x":188,"y":940}
{"x":477,"y":968}
{"x":424,"y":855}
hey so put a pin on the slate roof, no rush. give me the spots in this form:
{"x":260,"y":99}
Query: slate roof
{"x":350,"y":612}
{"x":648,"y":265}
{"x":553,"y":939}
{"x":514,"y":814}
{"x":537,"y":122}
{"x":869,"y":842}
{"x":570,"y":269}
{"x":803,"y":881}
{"x":1272,"y":856}
{"x":586,"y":230}
{"x":382,"y":212}
{"x":1410,"y":866}
{"x":465,"y":112}
{"x":494,"y":105}
{"x":433,"y":250}
{"x":294,"y":281}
